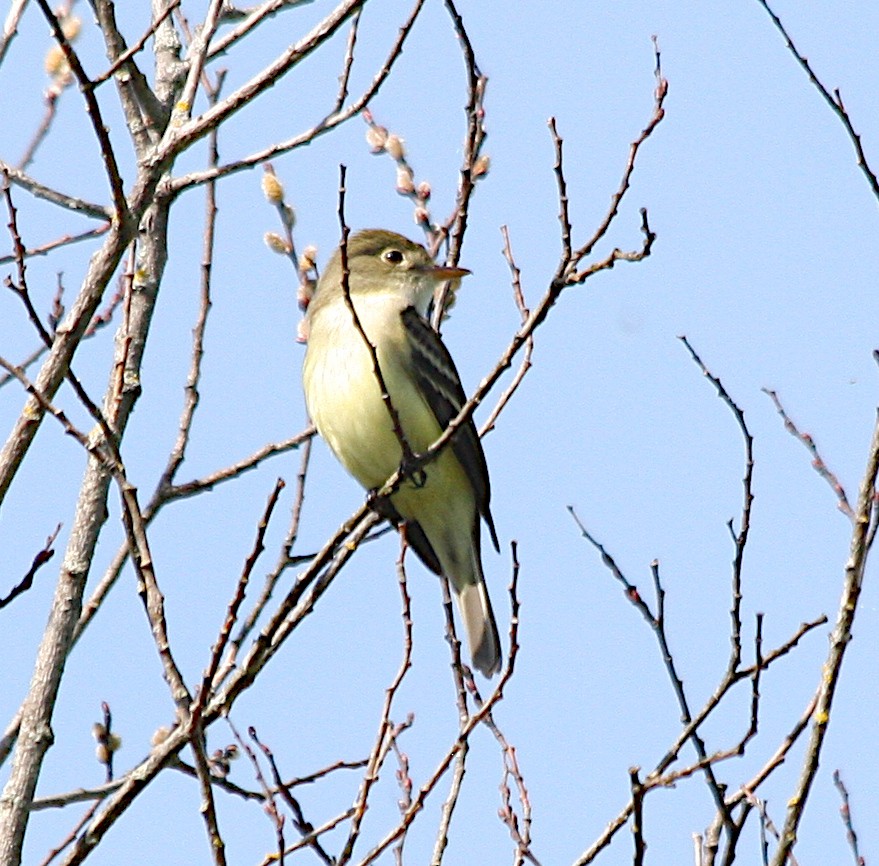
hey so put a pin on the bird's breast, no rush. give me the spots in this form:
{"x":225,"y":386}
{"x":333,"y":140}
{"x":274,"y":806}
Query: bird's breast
{"x":342,"y":389}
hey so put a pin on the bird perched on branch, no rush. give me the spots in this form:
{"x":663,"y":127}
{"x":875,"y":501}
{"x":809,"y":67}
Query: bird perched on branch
{"x":390,"y":283}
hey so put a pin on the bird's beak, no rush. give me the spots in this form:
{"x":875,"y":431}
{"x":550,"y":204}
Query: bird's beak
{"x":441,"y":272}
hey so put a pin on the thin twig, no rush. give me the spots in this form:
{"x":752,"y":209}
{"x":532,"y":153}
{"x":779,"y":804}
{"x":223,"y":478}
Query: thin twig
{"x":10,"y":25}
{"x":51,"y":97}
{"x":38,"y":190}
{"x":94,"y":111}
{"x":197,"y":127}
{"x":740,"y":539}
{"x":656,"y":621}
{"x":71,"y":836}
{"x":637,"y":817}
{"x":348,"y":65}
{"x":129,"y":53}
{"x":269,"y":805}
{"x":63,"y":241}
{"x":817,"y":461}
{"x":574,"y":259}
{"x":237,"y":600}
{"x":846,"y":815}
{"x":388,"y":733}
{"x":474,"y":165}
{"x":525,"y":365}
{"x":405,"y":447}
{"x":305,"y":827}
{"x":259,"y":14}
{"x":460,"y":744}
{"x":39,"y":561}
{"x":834,"y":100}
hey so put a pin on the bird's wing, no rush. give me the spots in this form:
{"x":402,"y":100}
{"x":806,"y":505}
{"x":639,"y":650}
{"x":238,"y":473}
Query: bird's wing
{"x":415,"y":535}
{"x":440,"y":384}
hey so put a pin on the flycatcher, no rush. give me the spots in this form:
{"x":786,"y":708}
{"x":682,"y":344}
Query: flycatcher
{"x":391,"y":282}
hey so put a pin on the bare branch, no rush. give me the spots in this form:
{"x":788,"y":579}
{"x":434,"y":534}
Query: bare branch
{"x":571,"y":260}
{"x":741,"y":539}
{"x":40,"y":560}
{"x":183,"y":131}
{"x":10,"y":25}
{"x":840,"y":639}
{"x":123,"y":58}
{"x":474,"y":165}
{"x":63,"y":241}
{"x":94,"y":110}
{"x":208,"y":806}
{"x":38,"y":190}
{"x":331,"y":121}
{"x":460,"y":744}
{"x":345,"y":77}
{"x":525,"y":366}
{"x":817,"y":461}
{"x":846,"y":814}
{"x":251,"y":18}
{"x":834,"y":100}
{"x":305,"y":827}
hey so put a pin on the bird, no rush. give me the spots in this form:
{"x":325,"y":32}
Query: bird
{"x":391,"y":281}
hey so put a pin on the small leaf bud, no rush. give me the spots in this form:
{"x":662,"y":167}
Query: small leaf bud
{"x":272,"y":188}
{"x":394,"y":147}
{"x":405,"y":184}
{"x":276,"y":243}
{"x":481,"y":166}
{"x":376,"y":136}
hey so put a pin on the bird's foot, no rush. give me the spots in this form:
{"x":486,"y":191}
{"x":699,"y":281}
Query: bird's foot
{"x":411,"y":469}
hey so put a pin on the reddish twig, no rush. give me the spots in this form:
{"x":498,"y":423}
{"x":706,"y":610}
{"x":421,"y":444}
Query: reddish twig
{"x":817,"y":460}
{"x":846,"y":815}
{"x":39,"y":561}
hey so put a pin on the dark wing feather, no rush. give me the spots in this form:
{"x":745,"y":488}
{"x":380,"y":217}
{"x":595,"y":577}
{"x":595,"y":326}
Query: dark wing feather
{"x":415,"y":535}
{"x":440,"y":384}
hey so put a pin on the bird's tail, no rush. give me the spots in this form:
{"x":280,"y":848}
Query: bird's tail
{"x":446,"y":550}
{"x":480,"y":625}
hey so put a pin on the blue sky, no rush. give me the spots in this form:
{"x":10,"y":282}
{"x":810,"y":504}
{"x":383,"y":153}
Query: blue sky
{"x":765,"y":258}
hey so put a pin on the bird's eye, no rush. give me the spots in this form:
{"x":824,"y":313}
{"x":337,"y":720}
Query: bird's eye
{"x":393,"y":256}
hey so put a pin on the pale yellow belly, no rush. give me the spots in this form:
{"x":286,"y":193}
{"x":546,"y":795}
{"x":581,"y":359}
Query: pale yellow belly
{"x":345,"y":404}
{"x":344,"y":401}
